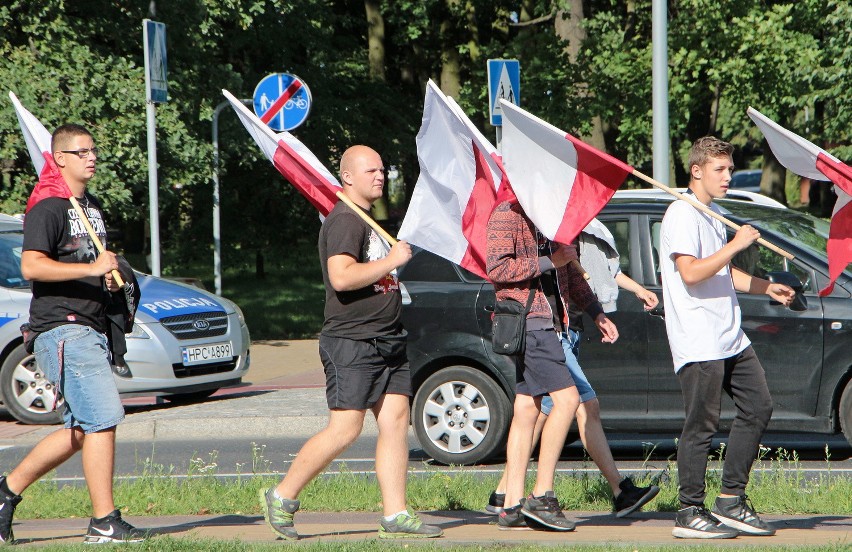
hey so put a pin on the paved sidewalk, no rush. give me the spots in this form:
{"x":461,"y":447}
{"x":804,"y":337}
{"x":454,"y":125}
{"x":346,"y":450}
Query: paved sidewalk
{"x":460,"y":527}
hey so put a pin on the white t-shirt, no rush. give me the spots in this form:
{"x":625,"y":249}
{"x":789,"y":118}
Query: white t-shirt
{"x":702,"y":320}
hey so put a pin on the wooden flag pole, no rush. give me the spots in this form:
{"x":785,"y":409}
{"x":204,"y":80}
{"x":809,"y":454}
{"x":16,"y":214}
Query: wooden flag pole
{"x":94,"y":236}
{"x":373,"y":224}
{"x":704,"y":209}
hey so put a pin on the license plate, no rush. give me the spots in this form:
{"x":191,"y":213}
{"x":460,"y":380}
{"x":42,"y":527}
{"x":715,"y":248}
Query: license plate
{"x":202,"y":354}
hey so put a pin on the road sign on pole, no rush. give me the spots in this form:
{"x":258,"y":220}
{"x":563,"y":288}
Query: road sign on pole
{"x":156,"y":82}
{"x":504,"y":82}
{"x":282,"y":101}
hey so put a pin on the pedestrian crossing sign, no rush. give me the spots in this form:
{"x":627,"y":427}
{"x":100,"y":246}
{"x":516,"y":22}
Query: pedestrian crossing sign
{"x":504,"y":83}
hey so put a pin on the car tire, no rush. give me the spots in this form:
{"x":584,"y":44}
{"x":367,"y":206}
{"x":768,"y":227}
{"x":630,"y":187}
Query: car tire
{"x":186,"y":398}
{"x":844,"y":412}
{"x":460,"y":416}
{"x":27,"y":394}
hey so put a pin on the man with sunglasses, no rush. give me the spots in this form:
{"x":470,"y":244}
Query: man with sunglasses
{"x":68,"y":316}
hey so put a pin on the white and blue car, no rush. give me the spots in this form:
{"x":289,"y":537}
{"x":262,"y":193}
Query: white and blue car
{"x":185,"y":345}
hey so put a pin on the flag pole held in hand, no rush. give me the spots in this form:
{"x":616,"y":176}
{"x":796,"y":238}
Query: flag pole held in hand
{"x":704,"y":209}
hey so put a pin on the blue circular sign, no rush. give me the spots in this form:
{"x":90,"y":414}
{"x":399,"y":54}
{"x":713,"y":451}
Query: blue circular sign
{"x":282,"y":101}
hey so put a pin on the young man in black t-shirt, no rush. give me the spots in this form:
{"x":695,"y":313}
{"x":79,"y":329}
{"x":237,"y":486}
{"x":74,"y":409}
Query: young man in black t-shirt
{"x":362,"y":346}
{"x":71,"y":287}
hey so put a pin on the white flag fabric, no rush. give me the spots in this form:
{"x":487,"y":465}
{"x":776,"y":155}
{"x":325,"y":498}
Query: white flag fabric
{"x":50,"y":180}
{"x":292,"y":159}
{"x":561,"y":182}
{"x":805,"y":158}
{"x":457,"y":186}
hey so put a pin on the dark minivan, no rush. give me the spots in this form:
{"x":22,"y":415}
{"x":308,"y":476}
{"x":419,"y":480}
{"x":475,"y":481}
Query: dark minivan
{"x":464,"y":391}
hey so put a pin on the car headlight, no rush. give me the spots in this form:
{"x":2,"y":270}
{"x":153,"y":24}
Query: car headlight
{"x":236,"y":308}
{"x":138,"y":332}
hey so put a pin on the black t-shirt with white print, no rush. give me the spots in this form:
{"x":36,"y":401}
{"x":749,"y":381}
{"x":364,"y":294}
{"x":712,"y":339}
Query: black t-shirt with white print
{"x":366,"y":313}
{"x":53,"y":227}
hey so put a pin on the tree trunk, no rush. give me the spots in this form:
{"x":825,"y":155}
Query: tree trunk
{"x":774,"y":175}
{"x":375,"y":39}
{"x":450,"y":58}
{"x":568,"y":27}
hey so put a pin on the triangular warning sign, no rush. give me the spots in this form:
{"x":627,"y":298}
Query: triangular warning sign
{"x":504,"y":92}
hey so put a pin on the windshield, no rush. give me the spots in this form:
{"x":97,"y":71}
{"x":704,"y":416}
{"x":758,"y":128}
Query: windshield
{"x":11,"y":246}
{"x":802,"y":229}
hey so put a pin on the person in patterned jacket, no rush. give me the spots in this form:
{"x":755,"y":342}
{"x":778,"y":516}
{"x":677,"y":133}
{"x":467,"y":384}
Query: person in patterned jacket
{"x":515,"y":266}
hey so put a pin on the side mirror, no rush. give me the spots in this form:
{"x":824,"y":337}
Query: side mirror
{"x":800,"y":302}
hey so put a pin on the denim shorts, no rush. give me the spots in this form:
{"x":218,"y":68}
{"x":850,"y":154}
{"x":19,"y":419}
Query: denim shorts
{"x":571,"y":345}
{"x":85,"y":379}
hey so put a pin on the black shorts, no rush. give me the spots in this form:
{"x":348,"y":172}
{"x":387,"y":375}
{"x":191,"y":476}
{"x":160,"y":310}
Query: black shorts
{"x":542,"y":369}
{"x":358,"y":373}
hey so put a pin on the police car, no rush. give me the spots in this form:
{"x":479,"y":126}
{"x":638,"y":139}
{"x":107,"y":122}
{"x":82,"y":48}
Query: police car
{"x":185,"y":345}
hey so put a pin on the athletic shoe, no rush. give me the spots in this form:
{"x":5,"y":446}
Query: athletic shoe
{"x":278,"y":513}
{"x":511,"y":519}
{"x":407,"y":526}
{"x":738,"y":513}
{"x":696,"y":522}
{"x":112,"y":528}
{"x":7,"y":512}
{"x":632,"y":497}
{"x":495,"y":503}
{"x":545,"y":510}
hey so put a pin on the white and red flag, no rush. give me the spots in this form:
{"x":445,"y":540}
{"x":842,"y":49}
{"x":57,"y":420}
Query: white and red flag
{"x":457,"y":187}
{"x":809,"y":160}
{"x":292,"y":159}
{"x":561,"y":182}
{"x":50,"y":181}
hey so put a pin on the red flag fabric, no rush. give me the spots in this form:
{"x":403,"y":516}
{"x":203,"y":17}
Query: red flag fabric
{"x":456,"y":189}
{"x":50,"y":184}
{"x":292,"y":159}
{"x":806,"y":159}
{"x":561,"y":182}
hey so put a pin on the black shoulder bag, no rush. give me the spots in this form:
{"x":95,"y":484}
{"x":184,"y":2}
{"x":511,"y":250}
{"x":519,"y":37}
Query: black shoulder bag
{"x":509,"y":325}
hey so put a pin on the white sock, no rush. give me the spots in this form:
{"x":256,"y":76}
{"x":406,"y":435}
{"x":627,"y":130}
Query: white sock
{"x":393,"y":517}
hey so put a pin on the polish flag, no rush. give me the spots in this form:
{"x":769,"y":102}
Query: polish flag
{"x":561,"y":182}
{"x":457,"y":187}
{"x":292,"y":159}
{"x":50,"y":180}
{"x":809,"y":160}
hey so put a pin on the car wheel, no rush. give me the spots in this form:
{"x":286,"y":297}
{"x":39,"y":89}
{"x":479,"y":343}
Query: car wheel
{"x":27,"y":394}
{"x":185,"y":398}
{"x":845,"y":412}
{"x":460,"y":416}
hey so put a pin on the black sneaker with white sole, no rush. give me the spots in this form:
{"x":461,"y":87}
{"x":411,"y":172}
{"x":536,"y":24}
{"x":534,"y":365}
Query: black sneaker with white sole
{"x":112,"y":528}
{"x":511,"y":519}
{"x":8,"y":502}
{"x":632,"y":498}
{"x":495,"y":503}
{"x":738,"y":513}
{"x":696,"y":522}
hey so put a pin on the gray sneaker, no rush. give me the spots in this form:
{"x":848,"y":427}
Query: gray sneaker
{"x":407,"y":526}
{"x":737,"y":512}
{"x":278,"y":513}
{"x":545,"y":510}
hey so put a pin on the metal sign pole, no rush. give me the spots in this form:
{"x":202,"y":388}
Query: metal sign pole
{"x":153,"y":195}
{"x":217,"y":227}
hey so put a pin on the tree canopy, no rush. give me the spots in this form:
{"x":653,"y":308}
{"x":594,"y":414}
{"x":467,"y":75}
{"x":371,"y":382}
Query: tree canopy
{"x":585,"y":67}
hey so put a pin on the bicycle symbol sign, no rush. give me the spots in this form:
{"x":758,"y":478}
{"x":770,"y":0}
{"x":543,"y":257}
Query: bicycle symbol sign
{"x":282,"y":101}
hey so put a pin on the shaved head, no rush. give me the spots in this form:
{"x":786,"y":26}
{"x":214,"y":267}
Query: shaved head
{"x":352,"y":155}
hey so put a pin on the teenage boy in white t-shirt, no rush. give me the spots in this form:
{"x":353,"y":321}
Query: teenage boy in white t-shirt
{"x":710,"y":351}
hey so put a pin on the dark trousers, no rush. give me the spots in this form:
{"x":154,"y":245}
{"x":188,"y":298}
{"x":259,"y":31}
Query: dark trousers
{"x":743,"y":379}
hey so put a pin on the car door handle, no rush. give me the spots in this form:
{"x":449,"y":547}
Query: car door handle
{"x":488,"y":308}
{"x":659,"y":311}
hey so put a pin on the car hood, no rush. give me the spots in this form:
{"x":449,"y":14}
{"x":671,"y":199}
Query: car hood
{"x":164,"y":298}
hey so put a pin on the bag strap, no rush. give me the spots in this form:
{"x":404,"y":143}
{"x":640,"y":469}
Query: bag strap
{"x":533,"y":287}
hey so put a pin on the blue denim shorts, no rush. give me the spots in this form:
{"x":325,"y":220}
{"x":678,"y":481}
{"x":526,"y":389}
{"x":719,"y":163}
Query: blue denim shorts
{"x":85,"y":379}
{"x":571,"y":345}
